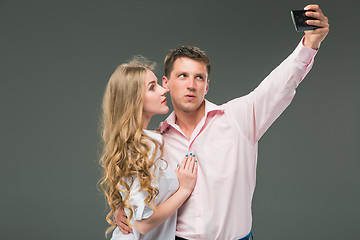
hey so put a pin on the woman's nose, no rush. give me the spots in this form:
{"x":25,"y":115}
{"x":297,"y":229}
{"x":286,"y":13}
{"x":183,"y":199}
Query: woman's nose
{"x":164,"y":91}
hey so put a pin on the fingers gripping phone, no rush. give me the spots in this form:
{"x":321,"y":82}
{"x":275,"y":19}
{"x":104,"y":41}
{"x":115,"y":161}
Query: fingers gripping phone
{"x":299,"y":19}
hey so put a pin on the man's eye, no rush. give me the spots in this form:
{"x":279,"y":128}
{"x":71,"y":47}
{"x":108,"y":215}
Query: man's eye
{"x":199,"y":77}
{"x":182,"y":75}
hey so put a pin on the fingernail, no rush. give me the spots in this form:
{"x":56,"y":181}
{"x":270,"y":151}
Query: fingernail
{"x":195,"y":160}
{"x":186,"y":155}
{"x":194,"y":155}
{"x":177,"y":165}
{"x":190,"y":153}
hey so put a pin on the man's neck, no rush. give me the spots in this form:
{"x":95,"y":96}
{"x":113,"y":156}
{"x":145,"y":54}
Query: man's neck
{"x":187,"y":121}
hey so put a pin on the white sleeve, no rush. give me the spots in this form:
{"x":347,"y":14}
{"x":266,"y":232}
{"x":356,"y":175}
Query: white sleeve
{"x":137,"y":202}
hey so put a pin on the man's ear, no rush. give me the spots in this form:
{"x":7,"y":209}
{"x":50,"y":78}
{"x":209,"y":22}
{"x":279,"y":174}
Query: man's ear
{"x":207,"y":86}
{"x":165,"y":82}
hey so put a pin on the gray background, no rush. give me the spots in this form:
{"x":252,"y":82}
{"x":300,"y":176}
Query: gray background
{"x":56,"y":58}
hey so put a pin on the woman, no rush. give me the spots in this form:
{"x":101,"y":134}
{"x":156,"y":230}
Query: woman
{"x":136,"y":177}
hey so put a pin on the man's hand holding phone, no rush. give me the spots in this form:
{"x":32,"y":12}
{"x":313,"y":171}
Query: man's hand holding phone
{"x":313,"y":38}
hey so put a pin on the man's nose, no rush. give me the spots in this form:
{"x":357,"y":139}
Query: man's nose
{"x":191,"y":83}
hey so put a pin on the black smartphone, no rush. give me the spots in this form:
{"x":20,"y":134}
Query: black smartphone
{"x":299,"y":18}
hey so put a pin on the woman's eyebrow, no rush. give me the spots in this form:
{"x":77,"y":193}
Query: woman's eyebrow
{"x":152,"y":82}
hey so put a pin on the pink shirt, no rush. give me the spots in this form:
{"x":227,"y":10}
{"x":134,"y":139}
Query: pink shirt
{"x":225,"y":143}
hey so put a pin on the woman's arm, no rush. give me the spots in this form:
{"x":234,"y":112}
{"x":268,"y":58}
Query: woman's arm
{"x":187,"y":174}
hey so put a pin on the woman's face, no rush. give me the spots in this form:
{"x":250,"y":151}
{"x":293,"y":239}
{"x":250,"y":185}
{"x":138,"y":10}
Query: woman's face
{"x":154,"y":97}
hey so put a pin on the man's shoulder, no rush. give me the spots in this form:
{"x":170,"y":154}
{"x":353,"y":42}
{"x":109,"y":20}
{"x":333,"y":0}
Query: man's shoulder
{"x":235,"y":102}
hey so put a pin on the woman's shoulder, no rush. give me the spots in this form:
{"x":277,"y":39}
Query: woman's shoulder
{"x":155,"y":135}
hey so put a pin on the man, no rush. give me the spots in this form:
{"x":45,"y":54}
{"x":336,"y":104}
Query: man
{"x":225,"y":138}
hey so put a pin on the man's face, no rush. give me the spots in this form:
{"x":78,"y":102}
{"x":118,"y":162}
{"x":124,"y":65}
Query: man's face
{"x":188,"y":83}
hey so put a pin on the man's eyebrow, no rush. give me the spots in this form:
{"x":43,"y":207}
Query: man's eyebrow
{"x":180,"y":72}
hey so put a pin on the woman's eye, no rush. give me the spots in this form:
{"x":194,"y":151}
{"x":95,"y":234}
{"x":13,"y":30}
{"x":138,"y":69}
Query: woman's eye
{"x":152,"y":87}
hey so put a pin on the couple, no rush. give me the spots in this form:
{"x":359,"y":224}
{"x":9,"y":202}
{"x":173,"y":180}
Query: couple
{"x":213,"y":149}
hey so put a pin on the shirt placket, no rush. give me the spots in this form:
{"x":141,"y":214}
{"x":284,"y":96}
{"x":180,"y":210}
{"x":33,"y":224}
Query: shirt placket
{"x":198,"y":211}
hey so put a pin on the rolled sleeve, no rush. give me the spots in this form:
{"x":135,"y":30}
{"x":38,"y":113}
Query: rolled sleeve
{"x":137,"y":202}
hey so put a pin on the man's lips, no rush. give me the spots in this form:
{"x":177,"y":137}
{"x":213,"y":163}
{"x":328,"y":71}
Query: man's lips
{"x":190,"y":96}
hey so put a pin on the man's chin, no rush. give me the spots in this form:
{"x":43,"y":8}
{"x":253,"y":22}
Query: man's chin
{"x":189,"y":107}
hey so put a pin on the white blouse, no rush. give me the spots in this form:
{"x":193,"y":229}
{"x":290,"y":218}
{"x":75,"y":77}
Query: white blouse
{"x":167,"y":183}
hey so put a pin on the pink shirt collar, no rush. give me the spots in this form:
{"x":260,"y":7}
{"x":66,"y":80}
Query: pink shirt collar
{"x":210,"y":109}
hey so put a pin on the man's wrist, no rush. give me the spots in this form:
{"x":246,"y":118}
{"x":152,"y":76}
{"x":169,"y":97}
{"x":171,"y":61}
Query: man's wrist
{"x":309,"y":44}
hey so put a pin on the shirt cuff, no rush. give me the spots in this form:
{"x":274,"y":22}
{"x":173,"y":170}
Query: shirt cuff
{"x":143,"y":211}
{"x":304,"y":54}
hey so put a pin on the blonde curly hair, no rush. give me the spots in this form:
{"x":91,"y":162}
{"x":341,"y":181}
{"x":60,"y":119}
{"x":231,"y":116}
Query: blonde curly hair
{"x":126,"y":147}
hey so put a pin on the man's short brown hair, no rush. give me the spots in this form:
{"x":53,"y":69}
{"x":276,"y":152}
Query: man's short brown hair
{"x":185,"y":51}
